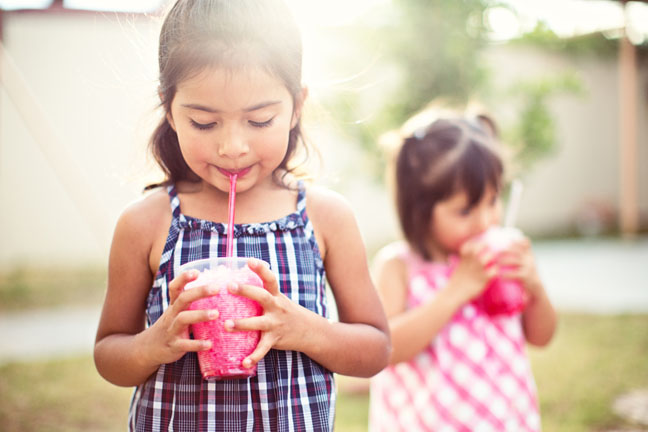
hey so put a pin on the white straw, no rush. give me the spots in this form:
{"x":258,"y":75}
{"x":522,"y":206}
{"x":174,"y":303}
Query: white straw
{"x":514,"y":203}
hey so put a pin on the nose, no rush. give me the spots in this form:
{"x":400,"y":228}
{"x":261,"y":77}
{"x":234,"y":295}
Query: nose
{"x":232,"y":143}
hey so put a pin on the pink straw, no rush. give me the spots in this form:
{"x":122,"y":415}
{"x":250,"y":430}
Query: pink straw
{"x":230,"y":219}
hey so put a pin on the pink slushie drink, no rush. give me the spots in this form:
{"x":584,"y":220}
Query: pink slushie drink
{"x":502,"y":296}
{"x":224,"y":359}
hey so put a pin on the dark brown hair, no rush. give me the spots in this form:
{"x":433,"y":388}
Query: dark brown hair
{"x":234,"y":34}
{"x":449,"y":154}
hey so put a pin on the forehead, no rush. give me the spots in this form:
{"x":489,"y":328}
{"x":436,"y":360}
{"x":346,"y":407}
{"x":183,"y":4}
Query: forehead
{"x":227,"y":86}
{"x":461,"y":197}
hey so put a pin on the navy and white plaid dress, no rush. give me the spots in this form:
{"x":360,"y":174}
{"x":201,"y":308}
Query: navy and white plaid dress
{"x":290,"y":392}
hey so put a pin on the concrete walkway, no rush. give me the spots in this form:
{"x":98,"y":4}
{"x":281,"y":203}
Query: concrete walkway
{"x":592,"y":275}
{"x":606,"y":276}
{"x":39,"y":334}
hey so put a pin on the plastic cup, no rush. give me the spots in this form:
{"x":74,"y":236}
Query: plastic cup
{"x":224,"y":359}
{"x":502,"y":296}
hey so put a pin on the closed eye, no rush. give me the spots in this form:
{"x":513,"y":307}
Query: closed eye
{"x":266,"y":123}
{"x":202,"y":126}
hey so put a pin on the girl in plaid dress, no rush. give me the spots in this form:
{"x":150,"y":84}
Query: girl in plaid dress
{"x":230,"y":87}
{"x":454,"y":367}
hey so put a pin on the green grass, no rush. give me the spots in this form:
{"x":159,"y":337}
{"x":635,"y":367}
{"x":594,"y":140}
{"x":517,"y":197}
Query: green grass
{"x":591,"y":361}
{"x":60,"y":396}
{"x":24,"y":287}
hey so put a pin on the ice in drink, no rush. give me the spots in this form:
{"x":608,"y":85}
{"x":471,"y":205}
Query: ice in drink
{"x":224,"y":359}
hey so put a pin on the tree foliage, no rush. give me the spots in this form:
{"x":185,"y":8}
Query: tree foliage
{"x":534,"y":134}
{"x":427,"y":50}
{"x":422,"y":51}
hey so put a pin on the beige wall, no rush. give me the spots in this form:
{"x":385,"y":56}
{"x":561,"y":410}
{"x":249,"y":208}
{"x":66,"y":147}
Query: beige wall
{"x":93,"y":77}
{"x":585,"y":166}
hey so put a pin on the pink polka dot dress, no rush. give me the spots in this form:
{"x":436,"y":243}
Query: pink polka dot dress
{"x":473,"y":376}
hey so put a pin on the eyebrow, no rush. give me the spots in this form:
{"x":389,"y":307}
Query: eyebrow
{"x":248,"y":109}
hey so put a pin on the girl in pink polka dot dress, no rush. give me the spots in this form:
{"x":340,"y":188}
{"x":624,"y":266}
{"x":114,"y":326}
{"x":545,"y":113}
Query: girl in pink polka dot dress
{"x":454,"y":366}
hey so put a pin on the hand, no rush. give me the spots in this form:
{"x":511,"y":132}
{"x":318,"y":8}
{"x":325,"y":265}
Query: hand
{"x":474,"y":270}
{"x":279,"y":325}
{"x":517,"y":262}
{"x":168,"y":338}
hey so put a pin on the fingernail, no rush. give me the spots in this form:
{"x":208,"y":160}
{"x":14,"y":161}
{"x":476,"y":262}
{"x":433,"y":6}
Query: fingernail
{"x":232,"y":287}
{"x":247,"y":363}
{"x":206,"y":345}
{"x":229,"y":325}
{"x":212,"y":314}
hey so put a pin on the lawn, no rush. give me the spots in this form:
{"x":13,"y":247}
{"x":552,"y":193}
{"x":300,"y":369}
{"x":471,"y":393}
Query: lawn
{"x":592,"y":360}
{"x":26,"y":287}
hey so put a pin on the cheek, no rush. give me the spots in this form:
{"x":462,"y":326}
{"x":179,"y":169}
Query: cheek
{"x":444,"y":232}
{"x":192,"y":147}
{"x":454,"y":232}
{"x":272,"y":144}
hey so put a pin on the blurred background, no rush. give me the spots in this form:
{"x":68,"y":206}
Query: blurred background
{"x":567,"y":82}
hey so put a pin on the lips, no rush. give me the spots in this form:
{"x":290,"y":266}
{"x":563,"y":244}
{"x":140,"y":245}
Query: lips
{"x":238,"y":172}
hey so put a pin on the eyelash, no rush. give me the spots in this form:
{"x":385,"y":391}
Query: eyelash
{"x":201,"y":126}
{"x":207,"y":126}
{"x":264,"y":124}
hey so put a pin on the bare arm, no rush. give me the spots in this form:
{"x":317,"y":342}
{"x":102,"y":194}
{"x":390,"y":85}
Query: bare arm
{"x":359,"y":344}
{"x":413,"y":329}
{"x":539,"y":318}
{"x":125,"y":352}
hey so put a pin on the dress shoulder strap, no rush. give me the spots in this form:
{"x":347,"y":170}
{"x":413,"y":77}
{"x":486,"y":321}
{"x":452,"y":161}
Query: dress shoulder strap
{"x":309,"y":232}
{"x":175,"y":201}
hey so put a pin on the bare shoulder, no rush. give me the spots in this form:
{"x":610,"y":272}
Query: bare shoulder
{"x":145,"y":213}
{"x":390,"y":274}
{"x":143,"y":224}
{"x":389,"y":261}
{"x":326,"y":203}
{"x":332,"y":217}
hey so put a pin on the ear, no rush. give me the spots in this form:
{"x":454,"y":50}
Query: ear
{"x":168,"y":114}
{"x":169,"y":118}
{"x":299,"y":105}
{"x":488,"y":124}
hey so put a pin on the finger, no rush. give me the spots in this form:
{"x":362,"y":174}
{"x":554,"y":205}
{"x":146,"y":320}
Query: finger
{"x":193,"y":345}
{"x":246,"y":324}
{"x":189,"y":296}
{"x":521,"y":246}
{"x":262,"y":269}
{"x":186,"y":318}
{"x":265,"y":344}
{"x":176,"y":286}
{"x":511,"y":273}
{"x":491,"y":272}
{"x":508,"y":259}
{"x":488,"y":258}
{"x":252,"y":292}
{"x":469,"y":247}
